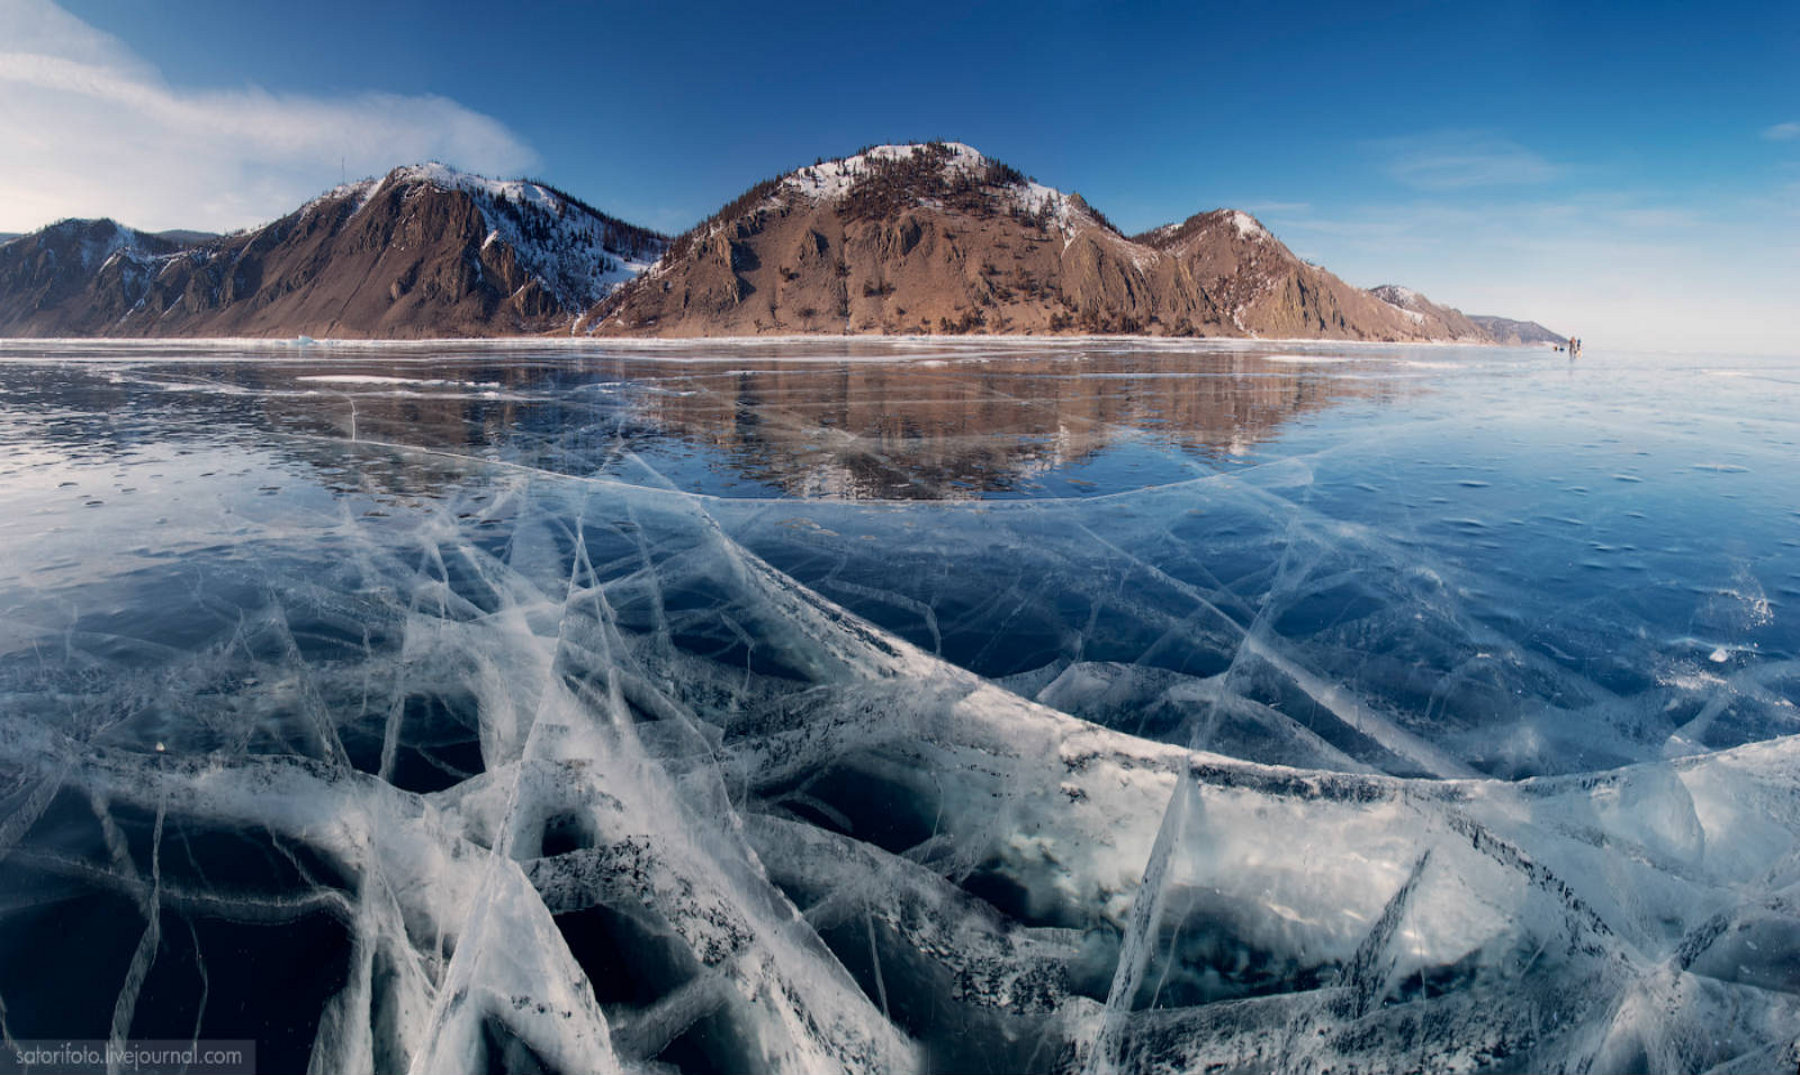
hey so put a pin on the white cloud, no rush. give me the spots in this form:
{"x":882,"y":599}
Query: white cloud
{"x":87,"y":128}
{"x":1455,"y":160}
{"x":1782,"y":132}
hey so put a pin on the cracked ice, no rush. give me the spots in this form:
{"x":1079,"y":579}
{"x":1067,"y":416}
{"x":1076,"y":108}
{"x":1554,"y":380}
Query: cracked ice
{"x":848,"y":707}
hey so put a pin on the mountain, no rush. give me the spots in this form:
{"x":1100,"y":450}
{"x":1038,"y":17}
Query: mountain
{"x":76,"y":277}
{"x":1422,"y":311}
{"x":424,"y":251}
{"x":1507,"y":331}
{"x":896,"y":239}
{"x":937,"y":237}
{"x":187,"y":236}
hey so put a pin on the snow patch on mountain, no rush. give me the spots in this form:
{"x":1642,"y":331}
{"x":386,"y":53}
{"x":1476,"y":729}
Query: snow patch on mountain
{"x":580,"y":256}
{"x":1403,"y":299}
{"x":832,"y":180}
{"x":1246,"y":225}
{"x":359,"y":192}
{"x":98,"y":242}
{"x":1395,"y":295}
{"x":444,"y":177}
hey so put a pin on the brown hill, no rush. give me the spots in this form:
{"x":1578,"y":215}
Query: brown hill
{"x":1422,"y":311}
{"x":425,"y":251}
{"x":936,"y":238}
{"x":1507,"y":331}
{"x":75,"y":277}
{"x":922,"y":238}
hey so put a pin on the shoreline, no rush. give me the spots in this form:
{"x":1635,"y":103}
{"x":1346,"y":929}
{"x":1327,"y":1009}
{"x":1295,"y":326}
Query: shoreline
{"x":568,"y":343}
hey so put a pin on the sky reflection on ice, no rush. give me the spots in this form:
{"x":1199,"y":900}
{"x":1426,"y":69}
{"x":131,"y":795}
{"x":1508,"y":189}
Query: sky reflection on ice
{"x":840,"y":705}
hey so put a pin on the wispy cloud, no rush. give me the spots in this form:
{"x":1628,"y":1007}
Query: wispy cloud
{"x":90,"y":129}
{"x":1624,"y":267}
{"x":1654,"y":218}
{"x":1455,"y":160}
{"x":1782,"y":132}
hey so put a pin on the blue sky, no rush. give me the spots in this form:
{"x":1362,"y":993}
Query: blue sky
{"x":1628,"y":172}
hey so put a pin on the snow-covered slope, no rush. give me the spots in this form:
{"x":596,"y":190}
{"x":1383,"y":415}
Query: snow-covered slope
{"x":579,"y":253}
{"x":832,"y":181}
{"x":1404,"y":299}
{"x":1441,"y":322}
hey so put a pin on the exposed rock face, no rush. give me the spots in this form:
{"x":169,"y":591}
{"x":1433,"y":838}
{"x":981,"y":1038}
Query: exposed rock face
{"x":937,"y":238}
{"x":75,"y":277}
{"x":1423,"y":311}
{"x":425,"y":251}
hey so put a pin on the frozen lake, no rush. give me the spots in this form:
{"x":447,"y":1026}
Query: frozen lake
{"x":1073,"y":706}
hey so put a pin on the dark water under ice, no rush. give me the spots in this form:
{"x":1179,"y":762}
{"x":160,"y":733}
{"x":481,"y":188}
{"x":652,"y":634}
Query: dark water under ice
{"x":818,"y":706}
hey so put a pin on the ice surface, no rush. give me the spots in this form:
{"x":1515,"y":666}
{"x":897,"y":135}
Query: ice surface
{"x":1093,"y":708}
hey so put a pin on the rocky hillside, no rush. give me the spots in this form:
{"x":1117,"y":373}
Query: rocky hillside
{"x":424,"y":251}
{"x":937,"y":238}
{"x":1507,"y":331}
{"x":76,"y":277}
{"x":1422,"y":311}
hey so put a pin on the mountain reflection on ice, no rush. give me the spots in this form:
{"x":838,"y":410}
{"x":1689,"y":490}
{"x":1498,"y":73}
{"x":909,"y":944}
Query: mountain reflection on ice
{"x":895,"y":707}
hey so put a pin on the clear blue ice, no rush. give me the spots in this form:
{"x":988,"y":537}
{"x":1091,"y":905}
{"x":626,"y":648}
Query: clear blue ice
{"x":873,"y":706}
